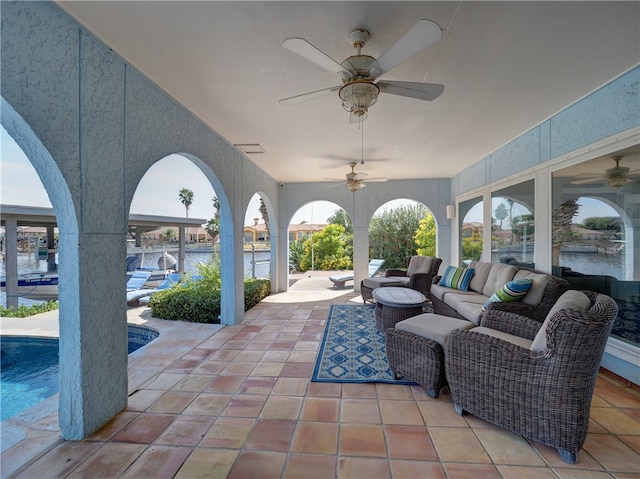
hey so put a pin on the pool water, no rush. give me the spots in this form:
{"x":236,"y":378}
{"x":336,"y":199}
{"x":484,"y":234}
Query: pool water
{"x":29,"y":368}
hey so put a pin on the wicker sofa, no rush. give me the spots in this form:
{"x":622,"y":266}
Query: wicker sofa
{"x":489,"y":278}
{"x":533,"y":379}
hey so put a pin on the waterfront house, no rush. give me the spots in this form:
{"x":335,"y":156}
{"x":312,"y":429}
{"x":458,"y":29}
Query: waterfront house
{"x":537,"y":94}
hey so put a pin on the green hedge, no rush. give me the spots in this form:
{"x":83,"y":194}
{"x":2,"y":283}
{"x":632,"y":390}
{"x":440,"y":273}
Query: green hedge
{"x":200,"y":303}
{"x":23,"y":311}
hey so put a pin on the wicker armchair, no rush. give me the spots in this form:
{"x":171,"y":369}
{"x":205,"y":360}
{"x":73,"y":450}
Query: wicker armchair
{"x":544,"y":392}
{"x":420,"y":274}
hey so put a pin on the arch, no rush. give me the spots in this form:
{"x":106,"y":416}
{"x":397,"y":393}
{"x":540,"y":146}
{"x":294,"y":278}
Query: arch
{"x":273,"y":235}
{"x":71,"y":419}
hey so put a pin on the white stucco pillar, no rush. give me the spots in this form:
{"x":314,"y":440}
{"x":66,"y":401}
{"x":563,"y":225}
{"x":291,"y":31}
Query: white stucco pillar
{"x":11,"y":264}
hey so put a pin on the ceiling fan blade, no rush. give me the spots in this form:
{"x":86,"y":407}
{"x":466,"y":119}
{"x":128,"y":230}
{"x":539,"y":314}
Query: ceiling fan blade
{"x":333,"y":179}
{"x":309,"y":52}
{"x":376,"y":180}
{"x":420,"y":91}
{"x":359,"y":176}
{"x":421,"y":35}
{"x":312,"y":95}
{"x":584,"y":181}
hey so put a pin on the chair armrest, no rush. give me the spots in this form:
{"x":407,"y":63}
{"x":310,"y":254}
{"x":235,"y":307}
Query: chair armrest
{"x":395,"y":272}
{"x":421,"y":282}
{"x":510,"y":323}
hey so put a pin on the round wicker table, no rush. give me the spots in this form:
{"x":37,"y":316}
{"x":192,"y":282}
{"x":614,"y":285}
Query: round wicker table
{"x":394,"y":304}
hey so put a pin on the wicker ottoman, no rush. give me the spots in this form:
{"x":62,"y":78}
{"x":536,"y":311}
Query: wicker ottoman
{"x":395,"y":304}
{"x":415,"y":349}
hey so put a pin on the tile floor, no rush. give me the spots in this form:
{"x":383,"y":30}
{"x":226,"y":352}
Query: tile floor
{"x":237,"y":402}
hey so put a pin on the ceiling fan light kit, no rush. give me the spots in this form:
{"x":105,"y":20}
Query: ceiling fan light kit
{"x":358,"y":96}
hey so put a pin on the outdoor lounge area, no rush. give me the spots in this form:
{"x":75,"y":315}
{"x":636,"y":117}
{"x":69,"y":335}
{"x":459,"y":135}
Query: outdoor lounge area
{"x":237,"y":402}
{"x":503,"y":119}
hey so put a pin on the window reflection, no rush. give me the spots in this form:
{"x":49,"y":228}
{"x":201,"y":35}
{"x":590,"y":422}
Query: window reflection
{"x":471,"y":229}
{"x":512,"y":224}
{"x":595,"y":229}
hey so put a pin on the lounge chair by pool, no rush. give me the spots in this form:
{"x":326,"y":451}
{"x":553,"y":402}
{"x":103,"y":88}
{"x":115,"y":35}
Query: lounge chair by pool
{"x":339,"y":280}
{"x":141,"y":296}
{"x":137,"y":280}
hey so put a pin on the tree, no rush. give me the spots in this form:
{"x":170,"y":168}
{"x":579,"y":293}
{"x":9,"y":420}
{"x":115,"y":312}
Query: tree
{"x":501,"y":213}
{"x":561,"y":220}
{"x":391,"y":234}
{"x":296,"y":253}
{"x":522,"y":223}
{"x":213,"y":228}
{"x":186,"y":198}
{"x":169,"y":234}
{"x":340,"y":217}
{"x":265,"y":216}
{"x":602,"y":223}
{"x":330,"y":248}
{"x":472,"y":247}
{"x":425,"y":237}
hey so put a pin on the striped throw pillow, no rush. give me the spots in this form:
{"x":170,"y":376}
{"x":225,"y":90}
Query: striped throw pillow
{"x":456,"y":278}
{"x":510,"y":292}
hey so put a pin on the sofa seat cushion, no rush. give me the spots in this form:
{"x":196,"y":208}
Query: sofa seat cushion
{"x":525,"y":343}
{"x":441,"y":291}
{"x":471,"y":311}
{"x":570,"y":299}
{"x":540,"y":281}
{"x":433,"y":326}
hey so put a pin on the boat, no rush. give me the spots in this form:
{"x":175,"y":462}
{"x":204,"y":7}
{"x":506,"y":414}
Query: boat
{"x":36,"y":286}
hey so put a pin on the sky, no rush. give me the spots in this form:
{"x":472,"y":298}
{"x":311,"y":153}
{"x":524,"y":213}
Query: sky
{"x":20,"y":185}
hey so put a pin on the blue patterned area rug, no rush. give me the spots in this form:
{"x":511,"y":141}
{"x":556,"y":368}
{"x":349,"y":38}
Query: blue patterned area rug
{"x":352,"y":350}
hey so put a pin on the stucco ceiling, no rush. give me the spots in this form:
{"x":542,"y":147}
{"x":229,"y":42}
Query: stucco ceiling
{"x":506,"y":67}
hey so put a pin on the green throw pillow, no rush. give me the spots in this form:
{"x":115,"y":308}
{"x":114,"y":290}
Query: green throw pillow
{"x":457,"y":278}
{"x":510,"y":292}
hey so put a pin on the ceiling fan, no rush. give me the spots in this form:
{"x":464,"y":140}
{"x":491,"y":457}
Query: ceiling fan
{"x":355,"y":181}
{"x":617,"y":177}
{"x":359,"y":89}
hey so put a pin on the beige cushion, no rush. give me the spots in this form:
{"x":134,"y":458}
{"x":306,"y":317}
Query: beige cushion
{"x":471,"y":311}
{"x":433,"y":326}
{"x":571,"y":299}
{"x":480,"y":276}
{"x":420,"y":264}
{"x":378,"y":281}
{"x":525,"y":343}
{"x":499,"y":275}
{"x":535,"y":294}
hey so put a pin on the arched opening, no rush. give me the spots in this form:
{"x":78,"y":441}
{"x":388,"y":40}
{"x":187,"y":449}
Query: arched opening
{"x":400,"y":229}
{"x":320,"y":238}
{"x":174,"y":188}
{"x":257,"y":234}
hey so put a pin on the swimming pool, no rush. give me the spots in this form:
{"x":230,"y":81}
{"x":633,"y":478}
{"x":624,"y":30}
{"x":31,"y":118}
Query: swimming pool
{"x":30,"y":368}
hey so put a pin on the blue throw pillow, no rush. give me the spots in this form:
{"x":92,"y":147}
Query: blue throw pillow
{"x":510,"y":292}
{"x":457,"y":278}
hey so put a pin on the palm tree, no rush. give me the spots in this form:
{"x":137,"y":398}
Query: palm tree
{"x":265,"y":217}
{"x":186,"y":198}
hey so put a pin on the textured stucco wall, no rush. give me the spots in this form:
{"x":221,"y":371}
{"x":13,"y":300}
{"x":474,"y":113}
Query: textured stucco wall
{"x":612,"y":109}
{"x":92,"y":126}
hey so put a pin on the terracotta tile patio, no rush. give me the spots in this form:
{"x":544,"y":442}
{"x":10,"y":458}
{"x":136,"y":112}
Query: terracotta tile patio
{"x":238,"y":402}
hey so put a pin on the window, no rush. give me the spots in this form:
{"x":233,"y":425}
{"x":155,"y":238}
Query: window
{"x":471,"y":229}
{"x":512,"y":224}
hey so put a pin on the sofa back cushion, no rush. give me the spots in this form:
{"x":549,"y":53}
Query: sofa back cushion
{"x":570,"y":299}
{"x":499,"y":275}
{"x":420,"y":264}
{"x":540,"y":281}
{"x":480,"y":276}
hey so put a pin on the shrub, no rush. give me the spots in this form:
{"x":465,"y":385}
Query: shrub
{"x":199,"y":302}
{"x":23,"y":311}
